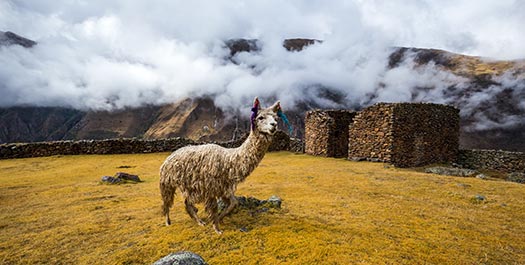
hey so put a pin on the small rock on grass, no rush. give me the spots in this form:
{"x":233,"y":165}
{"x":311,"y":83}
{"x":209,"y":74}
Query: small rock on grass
{"x":111,"y":180}
{"x":479,"y":198}
{"x":181,"y":258}
{"x":126,"y":176}
{"x":120,"y":177}
{"x":481,"y":176}
{"x":275,"y":201}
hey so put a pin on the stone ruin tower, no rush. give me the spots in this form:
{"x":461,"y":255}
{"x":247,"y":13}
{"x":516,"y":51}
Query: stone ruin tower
{"x":326,"y":132}
{"x":405,"y":134}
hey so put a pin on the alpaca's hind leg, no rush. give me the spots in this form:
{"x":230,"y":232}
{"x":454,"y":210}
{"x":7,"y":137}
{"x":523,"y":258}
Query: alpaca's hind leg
{"x":231,"y":201}
{"x":167,"y":193}
{"x":192,"y":211}
{"x":213,"y":211}
{"x":168,"y":221}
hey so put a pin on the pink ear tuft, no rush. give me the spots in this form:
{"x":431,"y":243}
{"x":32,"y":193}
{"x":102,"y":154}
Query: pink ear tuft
{"x":255,"y":110}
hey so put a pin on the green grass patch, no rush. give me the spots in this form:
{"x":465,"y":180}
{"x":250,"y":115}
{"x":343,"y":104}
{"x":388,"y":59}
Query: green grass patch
{"x":55,"y":210}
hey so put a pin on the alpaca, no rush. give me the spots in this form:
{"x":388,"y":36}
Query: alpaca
{"x":205,"y":173}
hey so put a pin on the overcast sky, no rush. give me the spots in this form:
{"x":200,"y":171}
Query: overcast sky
{"x":99,"y":54}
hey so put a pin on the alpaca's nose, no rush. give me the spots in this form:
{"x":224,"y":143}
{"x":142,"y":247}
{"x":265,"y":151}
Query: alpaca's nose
{"x":273,"y":124}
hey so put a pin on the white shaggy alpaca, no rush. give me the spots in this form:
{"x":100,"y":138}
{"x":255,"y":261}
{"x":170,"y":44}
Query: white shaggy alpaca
{"x":205,"y":173}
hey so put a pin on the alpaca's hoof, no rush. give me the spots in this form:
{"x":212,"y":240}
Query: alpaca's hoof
{"x":201,"y":223}
{"x":217,"y":229}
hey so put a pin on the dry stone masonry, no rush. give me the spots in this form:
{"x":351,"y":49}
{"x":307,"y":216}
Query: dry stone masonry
{"x":405,"y":134}
{"x":371,"y":134}
{"x":503,"y":161}
{"x":109,"y":146}
{"x":326,"y":132}
{"x":122,"y":146}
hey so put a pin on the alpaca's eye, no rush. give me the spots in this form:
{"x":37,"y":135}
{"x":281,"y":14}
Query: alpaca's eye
{"x":261,"y":118}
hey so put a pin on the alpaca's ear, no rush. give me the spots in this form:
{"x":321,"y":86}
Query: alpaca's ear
{"x":276,"y":107}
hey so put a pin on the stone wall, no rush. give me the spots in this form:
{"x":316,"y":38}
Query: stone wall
{"x":424,"y":134}
{"x":109,"y":146}
{"x":326,"y":132}
{"x":119,"y":146}
{"x":371,"y":135}
{"x":492,"y":160}
{"x":405,"y":134}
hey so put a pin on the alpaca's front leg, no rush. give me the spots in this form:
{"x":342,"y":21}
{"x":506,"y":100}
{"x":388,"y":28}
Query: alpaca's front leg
{"x":192,"y":211}
{"x":231,"y":201}
{"x":213,"y":212}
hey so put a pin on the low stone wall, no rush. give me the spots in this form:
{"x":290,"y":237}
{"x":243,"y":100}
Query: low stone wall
{"x":492,"y":160}
{"x":118,"y":146}
{"x":109,"y":146}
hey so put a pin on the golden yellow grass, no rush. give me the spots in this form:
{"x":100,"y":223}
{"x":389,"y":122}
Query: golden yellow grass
{"x":54,"y":210}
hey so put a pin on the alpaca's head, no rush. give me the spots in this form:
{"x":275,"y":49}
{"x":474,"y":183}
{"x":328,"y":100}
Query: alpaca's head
{"x":265,"y":120}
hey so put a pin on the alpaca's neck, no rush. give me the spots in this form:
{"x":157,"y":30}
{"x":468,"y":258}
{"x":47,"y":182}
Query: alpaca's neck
{"x":250,"y":153}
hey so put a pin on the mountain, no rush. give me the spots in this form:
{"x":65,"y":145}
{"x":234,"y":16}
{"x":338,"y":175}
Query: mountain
{"x":497,"y":120}
{"x":197,"y":119}
{"x":10,"y":38}
{"x":493,"y":122}
{"x":30,"y":124}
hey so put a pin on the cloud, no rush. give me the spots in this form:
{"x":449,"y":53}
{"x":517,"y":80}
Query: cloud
{"x":113,"y":54}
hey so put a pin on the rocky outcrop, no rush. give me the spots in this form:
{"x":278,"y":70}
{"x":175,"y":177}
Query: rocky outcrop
{"x":242,"y":45}
{"x":298,"y":44}
{"x":9,"y":38}
{"x":253,"y":45}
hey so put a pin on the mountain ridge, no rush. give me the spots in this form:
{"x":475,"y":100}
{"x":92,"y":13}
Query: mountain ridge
{"x":200,"y":119}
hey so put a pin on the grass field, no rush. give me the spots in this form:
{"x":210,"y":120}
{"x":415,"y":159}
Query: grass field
{"x":54,"y":210}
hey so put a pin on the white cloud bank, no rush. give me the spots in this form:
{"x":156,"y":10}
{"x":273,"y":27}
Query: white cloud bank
{"x":101,"y":54}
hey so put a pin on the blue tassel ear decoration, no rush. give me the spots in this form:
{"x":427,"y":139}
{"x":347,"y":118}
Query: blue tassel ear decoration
{"x":285,"y":119}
